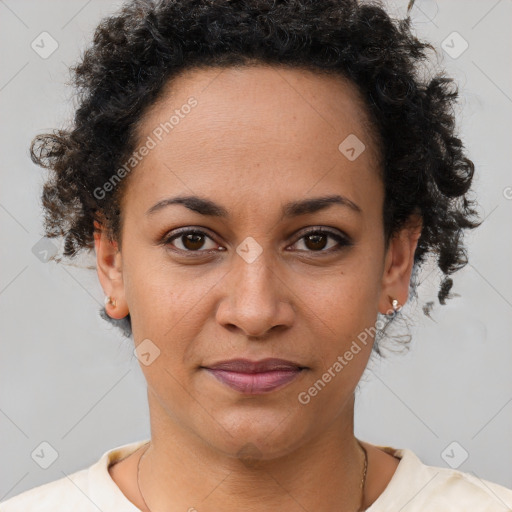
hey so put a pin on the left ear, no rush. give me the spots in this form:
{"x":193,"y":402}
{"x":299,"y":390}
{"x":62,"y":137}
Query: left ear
{"x":398,"y":264}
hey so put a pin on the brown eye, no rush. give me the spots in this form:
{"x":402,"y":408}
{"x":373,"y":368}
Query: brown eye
{"x":193,"y":241}
{"x":317,"y":241}
{"x":190,"y":241}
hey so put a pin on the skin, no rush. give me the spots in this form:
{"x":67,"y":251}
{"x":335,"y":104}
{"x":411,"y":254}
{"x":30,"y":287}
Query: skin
{"x":258,"y":138}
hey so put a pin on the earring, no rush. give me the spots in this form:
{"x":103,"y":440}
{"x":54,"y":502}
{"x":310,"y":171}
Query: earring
{"x":395,"y":305}
{"x":110,"y":300}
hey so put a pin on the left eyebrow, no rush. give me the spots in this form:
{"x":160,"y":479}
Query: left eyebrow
{"x":316,"y":204}
{"x":293,"y":209}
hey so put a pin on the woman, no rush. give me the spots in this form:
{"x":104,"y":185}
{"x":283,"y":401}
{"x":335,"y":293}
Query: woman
{"x":259,"y":181}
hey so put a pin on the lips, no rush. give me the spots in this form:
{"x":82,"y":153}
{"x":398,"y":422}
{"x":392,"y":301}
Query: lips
{"x":255,"y":377}
{"x":247,"y":366}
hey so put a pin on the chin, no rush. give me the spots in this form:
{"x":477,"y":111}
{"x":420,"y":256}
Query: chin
{"x":256,"y":435}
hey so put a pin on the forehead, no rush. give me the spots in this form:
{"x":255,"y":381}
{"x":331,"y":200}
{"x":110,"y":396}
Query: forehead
{"x":285,"y":101}
{"x":250,"y":127}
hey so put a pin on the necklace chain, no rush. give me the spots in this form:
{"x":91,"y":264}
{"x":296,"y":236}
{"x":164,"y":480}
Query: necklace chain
{"x":363,"y":480}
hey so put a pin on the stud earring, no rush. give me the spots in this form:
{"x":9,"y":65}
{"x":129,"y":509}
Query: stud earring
{"x":395,"y":305}
{"x":110,"y":300}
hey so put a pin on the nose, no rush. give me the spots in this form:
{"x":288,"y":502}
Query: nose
{"x":255,"y":298}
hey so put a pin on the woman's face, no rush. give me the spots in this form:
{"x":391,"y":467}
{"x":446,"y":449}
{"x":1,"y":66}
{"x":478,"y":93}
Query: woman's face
{"x":255,"y":146}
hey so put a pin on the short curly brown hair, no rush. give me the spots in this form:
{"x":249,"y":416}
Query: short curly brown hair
{"x":138,"y":49}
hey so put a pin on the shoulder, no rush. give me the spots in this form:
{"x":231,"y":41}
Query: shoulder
{"x":464,"y":491}
{"x":87,"y":490}
{"x":69,"y":492}
{"x":417,"y":487}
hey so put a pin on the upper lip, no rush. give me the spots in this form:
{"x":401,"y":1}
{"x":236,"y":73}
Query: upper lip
{"x":248,"y":366}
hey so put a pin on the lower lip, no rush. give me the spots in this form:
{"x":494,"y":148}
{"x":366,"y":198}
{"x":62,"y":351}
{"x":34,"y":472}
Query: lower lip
{"x":255,"y":383}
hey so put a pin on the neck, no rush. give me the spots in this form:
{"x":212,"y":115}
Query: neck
{"x":180,"y":471}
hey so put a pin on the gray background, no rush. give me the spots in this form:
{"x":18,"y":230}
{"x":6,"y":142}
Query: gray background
{"x":69,"y":379}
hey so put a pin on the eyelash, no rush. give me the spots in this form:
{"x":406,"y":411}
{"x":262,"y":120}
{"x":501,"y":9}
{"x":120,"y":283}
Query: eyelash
{"x":342,"y":241}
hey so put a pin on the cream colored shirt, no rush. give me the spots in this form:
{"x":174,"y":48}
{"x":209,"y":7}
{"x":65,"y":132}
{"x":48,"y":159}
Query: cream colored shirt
{"x":414,"y":487}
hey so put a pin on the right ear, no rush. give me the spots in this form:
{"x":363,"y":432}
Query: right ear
{"x":110,"y":272}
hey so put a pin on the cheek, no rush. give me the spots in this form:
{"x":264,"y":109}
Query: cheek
{"x":347,"y":296}
{"x":155,"y":291}
{"x":343,"y":307}
{"x":345,"y":320}
{"x":170,"y":310}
